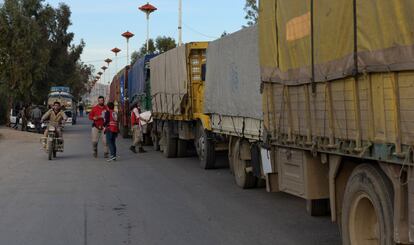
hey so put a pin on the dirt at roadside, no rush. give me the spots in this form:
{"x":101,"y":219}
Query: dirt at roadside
{"x":12,"y":134}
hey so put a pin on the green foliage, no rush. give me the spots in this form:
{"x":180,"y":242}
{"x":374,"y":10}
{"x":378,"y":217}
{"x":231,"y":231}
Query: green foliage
{"x":37,"y":52}
{"x":162,"y":44}
{"x":252,"y":12}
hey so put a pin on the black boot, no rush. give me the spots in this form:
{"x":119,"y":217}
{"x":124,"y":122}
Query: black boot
{"x":132,"y":148}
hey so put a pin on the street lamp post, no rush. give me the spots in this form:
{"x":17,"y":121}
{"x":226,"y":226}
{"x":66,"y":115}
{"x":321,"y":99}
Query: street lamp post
{"x":104,"y":76}
{"x":108,"y":61}
{"x":147,"y":9}
{"x":116,"y":51}
{"x":127,"y":35}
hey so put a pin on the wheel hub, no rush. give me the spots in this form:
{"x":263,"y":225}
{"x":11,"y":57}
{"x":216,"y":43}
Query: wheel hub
{"x":363,"y":224}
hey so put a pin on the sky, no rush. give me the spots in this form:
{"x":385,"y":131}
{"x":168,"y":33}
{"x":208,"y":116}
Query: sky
{"x":101,"y":23}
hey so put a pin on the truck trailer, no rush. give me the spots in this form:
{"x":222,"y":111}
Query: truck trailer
{"x":233,"y":102}
{"x":139,"y":91}
{"x":338,"y":102}
{"x":177,"y":88}
{"x":118,"y":94}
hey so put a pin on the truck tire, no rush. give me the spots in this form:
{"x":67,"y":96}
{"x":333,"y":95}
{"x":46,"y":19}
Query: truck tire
{"x":243,"y":179}
{"x":318,"y":207}
{"x":205,"y":149}
{"x":182,"y":148}
{"x":170,"y":143}
{"x":367,"y":211}
{"x":232,"y":142}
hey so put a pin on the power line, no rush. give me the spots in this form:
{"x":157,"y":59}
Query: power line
{"x":96,"y":61}
{"x":200,"y":33}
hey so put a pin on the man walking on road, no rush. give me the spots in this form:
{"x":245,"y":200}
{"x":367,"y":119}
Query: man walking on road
{"x":136,"y":130}
{"x":97,"y":116}
{"x":81,"y":109}
{"x":36,"y":116}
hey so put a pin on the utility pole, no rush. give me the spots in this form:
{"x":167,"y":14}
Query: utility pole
{"x":180,"y":21}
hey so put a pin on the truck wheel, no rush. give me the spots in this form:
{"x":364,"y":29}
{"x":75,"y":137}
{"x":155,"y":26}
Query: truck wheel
{"x":243,"y":179}
{"x":205,"y":150}
{"x":182,"y":148}
{"x":170,"y":143}
{"x":367,"y":213}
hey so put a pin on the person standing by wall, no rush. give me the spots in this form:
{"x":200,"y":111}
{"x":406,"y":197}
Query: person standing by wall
{"x":97,"y":117}
{"x":111,"y":130}
{"x":23,"y":114}
{"x":17,"y":111}
{"x":137,"y":136}
{"x":36,"y":116}
{"x":80,"y":107}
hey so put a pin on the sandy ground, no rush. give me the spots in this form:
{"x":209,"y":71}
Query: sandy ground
{"x":12,"y":134}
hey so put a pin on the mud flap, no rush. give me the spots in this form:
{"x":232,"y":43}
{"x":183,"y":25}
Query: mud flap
{"x":256,"y":161}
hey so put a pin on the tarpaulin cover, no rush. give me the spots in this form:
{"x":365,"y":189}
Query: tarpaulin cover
{"x":233,"y":75}
{"x":169,"y":80}
{"x":137,"y":76}
{"x":348,"y":36}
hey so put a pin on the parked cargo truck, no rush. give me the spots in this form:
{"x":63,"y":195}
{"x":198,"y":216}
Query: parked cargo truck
{"x":338,"y":102}
{"x":233,"y":102}
{"x":177,"y":88}
{"x":118,"y":94}
{"x":139,"y":90}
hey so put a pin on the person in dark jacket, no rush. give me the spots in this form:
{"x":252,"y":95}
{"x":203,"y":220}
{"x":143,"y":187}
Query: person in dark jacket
{"x":111,"y":130}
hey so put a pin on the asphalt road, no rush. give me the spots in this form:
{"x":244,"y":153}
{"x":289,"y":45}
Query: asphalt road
{"x":141,"y":199}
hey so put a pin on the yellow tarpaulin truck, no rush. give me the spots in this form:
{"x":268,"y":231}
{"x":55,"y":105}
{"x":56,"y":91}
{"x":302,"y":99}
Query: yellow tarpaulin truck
{"x":338,"y":102}
{"x":177,"y":88}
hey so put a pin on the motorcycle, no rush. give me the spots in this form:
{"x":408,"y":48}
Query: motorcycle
{"x":52,"y":144}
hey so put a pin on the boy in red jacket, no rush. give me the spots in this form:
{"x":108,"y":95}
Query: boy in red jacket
{"x":97,"y":115}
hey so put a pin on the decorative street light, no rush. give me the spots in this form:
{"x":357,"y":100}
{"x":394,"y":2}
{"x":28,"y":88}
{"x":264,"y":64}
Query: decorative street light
{"x":108,"y":61}
{"x":104,"y":69}
{"x":116,"y":51}
{"x":147,"y":9}
{"x":127,"y":35}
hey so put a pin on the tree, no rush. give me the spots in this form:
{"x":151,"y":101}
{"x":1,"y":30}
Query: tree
{"x":162,"y":44}
{"x":143,"y":51}
{"x":24,"y":55}
{"x":36,"y":52}
{"x":252,"y":12}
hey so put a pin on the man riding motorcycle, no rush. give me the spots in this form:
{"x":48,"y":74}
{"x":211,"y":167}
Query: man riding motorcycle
{"x":56,"y":118}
